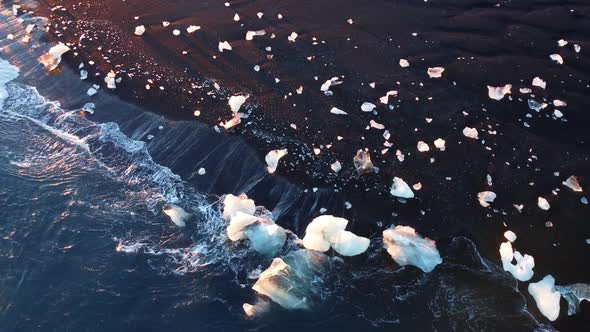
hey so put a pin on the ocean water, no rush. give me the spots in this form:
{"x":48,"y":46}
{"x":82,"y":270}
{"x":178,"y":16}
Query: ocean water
{"x":85,"y":247}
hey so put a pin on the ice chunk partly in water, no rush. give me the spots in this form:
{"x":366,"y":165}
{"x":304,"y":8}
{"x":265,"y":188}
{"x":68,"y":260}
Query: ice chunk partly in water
{"x":401,"y":189}
{"x":523,"y":269}
{"x":52,"y":58}
{"x":233,"y":204}
{"x":177,"y":214}
{"x":328,"y":231}
{"x":546,"y":297}
{"x":272,"y":159}
{"x":407,"y":247}
{"x":238,"y":223}
{"x":574,"y":294}
{"x":294,"y":282}
{"x":266,"y":237}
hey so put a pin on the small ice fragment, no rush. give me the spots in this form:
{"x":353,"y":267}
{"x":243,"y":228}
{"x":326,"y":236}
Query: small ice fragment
{"x":89,"y":108}
{"x":404,"y":63}
{"x":192,"y":28}
{"x":538,"y":82}
{"x":272,"y":159}
{"x":577,"y":48}
{"x":259,"y":14}
{"x":423,"y":147}
{"x":439,"y":143}
{"x":201,"y":171}
{"x":236,"y":17}
{"x":251,"y":34}
{"x":498,"y":93}
{"x":336,"y":166}
{"x":139,"y":30}
{"x":256,"y":68}
{"x":224,"y":46}
{"x":559,"y":103}
{"x":557,"y":113}
{"x":407,"y":247}
{"x":110,"y":80}
{"x":435,"y":72}
{"x":400,"y":188}
{"x":52,"y":58}
{"x":368,"y":107}
{"x":385,"y":99}
{"x":486,"y":197}
{"x":177,"y":214}
{"x":470,"y":132}
{"x":546,"y":297}
{"x":543,"y":204}
{"x":83,"y":74}
{"x":562,"y":42}
{"x":376,"y":125}
{"x":234,"y":121}
{"x":165,"y":23}
{"x":176,"y":32}
{"x":557,"y":58}
{"x":510,"y":236}
{"x":572,"y":183}
{"x":362,"y":162}
{"x":292,"y":37}
{"x":91,"y":92}
{"x":337,"y":111}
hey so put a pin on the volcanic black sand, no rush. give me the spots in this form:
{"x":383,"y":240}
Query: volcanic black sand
{"x":526,"y":153}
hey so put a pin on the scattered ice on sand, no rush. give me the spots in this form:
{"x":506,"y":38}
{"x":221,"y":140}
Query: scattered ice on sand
{"x":251,"y":34}
{"x":177,"y":214}
{"x":404,"y":63}
{"x":574,"y":294}
{"x":336,"y":166}
{"x":52,"y":58}
{"x":543,"y":204}
{"x":139,"y":30}
{"x":401,"y":189}
{"x":368,"y":107}
{"x":546,"y":297}
{"x":272,"y":159}
{"x":407,"y":247}
{"x":435,"y":72}
{"x":470,"y":132}
{"x":486,"y":197}
{"x":234,"y":204}
{"x":337,"y":111}
{"x":192,"y":28}
{"x":557,"y":58}
{"x":224,"y":46}
{"x":439,"y":143}
{"x":110,"y":80}
{"x":538,"y":82}
{"x":293,"y":283}
{"x":423,"y":147}
{"x":362,"y":162}
{"x":572,"y":183}
{"x":498,"y":93}
{"x":523,"y":269}
{"x":328,"y":231}
{"x":236,"y":102}
{"x":510,"y":236}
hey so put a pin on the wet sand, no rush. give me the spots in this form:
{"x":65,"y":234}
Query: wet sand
{"x":476,"y":42}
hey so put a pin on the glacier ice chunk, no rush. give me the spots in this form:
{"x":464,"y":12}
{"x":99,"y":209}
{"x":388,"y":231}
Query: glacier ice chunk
{"x":401,"y":189}
{"x":177,"y":214}
{"x":407,"y":247}
{"x":546,"y":297}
